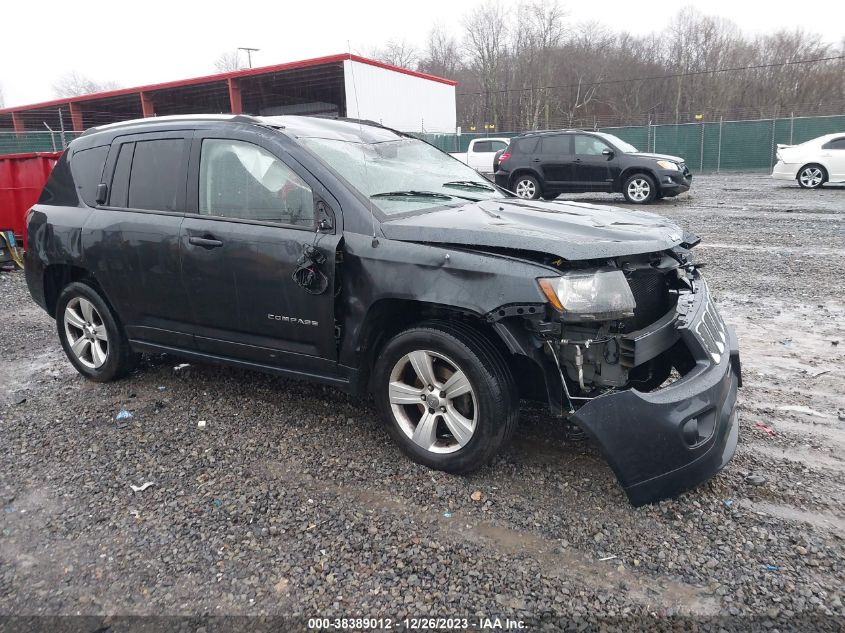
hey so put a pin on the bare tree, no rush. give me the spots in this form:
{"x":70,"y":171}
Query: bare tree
{"x":526,"y":68}
{"x":73,"y":84}
{"x":228,"y":62}
{"x":442,"y":55}
{"x":539,"y":31}
{"x":397,"y":53}
{"x":486,"y":47}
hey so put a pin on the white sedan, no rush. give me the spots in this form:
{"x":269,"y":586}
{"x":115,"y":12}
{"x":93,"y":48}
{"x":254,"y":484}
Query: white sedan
{"x":812,"y":163}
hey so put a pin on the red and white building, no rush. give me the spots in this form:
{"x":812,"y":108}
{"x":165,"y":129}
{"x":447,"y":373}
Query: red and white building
{"x":343,"y":85}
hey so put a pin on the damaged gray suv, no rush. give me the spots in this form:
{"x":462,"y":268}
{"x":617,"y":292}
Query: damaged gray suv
{"x":348,"y":254}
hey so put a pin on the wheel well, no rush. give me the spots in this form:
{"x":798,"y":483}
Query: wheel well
{"x":523,"y":171}
{"x":819,"y":165}
{"x":56,"y":277}
{"x":388,"y":317}
{"x":630,"y":171}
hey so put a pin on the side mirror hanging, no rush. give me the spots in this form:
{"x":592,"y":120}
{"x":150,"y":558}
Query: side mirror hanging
{"x":324,"y":224}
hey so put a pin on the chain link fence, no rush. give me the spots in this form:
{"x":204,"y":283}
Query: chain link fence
{"x":706,"y":146}
{"x":709,"y":146}
{"x":28,"y":142}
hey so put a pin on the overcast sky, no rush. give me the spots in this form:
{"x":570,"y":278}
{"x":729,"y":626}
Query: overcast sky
{"x":159,"y":41}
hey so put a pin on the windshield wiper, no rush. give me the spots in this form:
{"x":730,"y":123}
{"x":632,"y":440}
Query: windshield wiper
{"x":421,"y":194}
{"x":412,"y":194}
{"x":472,"y":184}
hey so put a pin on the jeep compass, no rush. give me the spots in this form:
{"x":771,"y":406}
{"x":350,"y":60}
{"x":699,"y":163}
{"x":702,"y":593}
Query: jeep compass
{"x":348,"y":254}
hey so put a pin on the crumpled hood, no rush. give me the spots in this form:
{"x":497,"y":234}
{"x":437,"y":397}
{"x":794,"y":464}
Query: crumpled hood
{"x":676,"y":159}
{"x":571,"y":230}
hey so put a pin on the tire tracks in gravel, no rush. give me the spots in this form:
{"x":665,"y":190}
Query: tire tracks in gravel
{"x":555,"y":561}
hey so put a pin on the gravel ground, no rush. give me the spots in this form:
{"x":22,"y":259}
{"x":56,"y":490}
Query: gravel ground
{"x":292,"y":500}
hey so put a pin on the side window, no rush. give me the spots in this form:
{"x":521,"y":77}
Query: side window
{"x":87,"y":169}
{"x":241,"y":180}
{"x":837,"y":143}
{"x":528,"y":145}
{"x":156,"y":174}
{"x":497,"y":145}
{"x":119,"y":189}
{"x":589,"y":145}
{"x":482,"y":146}
{"x":556,"y":145}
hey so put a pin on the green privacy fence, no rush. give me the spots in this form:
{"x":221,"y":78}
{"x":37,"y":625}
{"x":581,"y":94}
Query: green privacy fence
{"x":706,"y":146}
{"x":27,"y":142}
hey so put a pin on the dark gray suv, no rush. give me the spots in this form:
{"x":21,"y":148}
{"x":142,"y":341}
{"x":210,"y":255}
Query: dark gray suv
{"x":547,"y":164}
{"x":348,"y":254}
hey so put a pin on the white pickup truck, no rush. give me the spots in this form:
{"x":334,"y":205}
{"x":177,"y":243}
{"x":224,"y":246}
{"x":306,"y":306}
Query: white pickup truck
{"x":480,"y":153}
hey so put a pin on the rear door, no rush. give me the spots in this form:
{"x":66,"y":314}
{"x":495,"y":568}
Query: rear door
{"x":592,"y":168}
{"x":555,"y":160}
{"x":131,"y":240}
{"x":833,"y":153}
{"x":252,"y":210}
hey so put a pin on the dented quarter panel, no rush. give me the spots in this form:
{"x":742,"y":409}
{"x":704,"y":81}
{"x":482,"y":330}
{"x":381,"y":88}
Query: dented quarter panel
{"x":53,"y":240}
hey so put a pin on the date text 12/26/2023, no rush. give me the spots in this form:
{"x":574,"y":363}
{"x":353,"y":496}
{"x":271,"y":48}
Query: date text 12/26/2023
{"x":415,"y":624}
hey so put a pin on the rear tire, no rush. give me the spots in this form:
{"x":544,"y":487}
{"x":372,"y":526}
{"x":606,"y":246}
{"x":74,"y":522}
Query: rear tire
{"x":527,"y":187}
{"x":455,"y":433}
{"x":812,"y":176}
{"x":91,"y":336}
{"x":639,"y":189}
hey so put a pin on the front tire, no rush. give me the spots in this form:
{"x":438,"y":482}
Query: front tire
{"x":812,"y":176}
{"x":527,"y":187}
{"x":90,"y":335}
{"x":446,"y":396}
{"x":639,"y":189}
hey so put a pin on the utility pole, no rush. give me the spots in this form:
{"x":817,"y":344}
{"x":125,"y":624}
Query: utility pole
{"x":249,"y":52}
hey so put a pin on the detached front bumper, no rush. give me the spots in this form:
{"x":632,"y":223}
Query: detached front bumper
{"x":666,"y":441}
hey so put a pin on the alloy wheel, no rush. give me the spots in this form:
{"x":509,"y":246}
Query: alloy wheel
{"x":639,"y":189}
{"x":526,"y":189}
{"x":811,"y":177}
{"x":86,"y":333}
{"x":433,"y":401}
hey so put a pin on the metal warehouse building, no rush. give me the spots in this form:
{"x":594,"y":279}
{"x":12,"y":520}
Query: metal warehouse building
{"x":341,"y":85}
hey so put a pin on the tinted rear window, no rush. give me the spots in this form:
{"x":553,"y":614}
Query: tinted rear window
{"x":87,"y":167}
{"x":120,"y":179}
{"x":157,"y":175}
{"x":525,"y":145}
{"x":556,"y":145}
{"x":837,"y":143}
{"x":59,"y":189}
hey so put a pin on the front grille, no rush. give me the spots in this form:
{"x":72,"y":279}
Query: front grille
{"x":651,"y":292}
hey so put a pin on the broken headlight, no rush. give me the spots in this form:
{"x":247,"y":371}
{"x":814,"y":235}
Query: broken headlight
{"x":597,"y":295}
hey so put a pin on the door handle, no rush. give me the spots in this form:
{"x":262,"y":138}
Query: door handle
{"x":535,"y":160}
{"x":577,"y":160}
{"x":205,"y":242}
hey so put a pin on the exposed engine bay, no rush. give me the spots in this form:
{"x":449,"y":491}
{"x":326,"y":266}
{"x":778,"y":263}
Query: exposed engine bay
{"x":639,"y":348}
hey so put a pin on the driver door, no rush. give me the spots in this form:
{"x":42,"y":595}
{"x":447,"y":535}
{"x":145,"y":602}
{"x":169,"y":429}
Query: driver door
{"x":251,"y":210}
{"x":592,"y":168}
